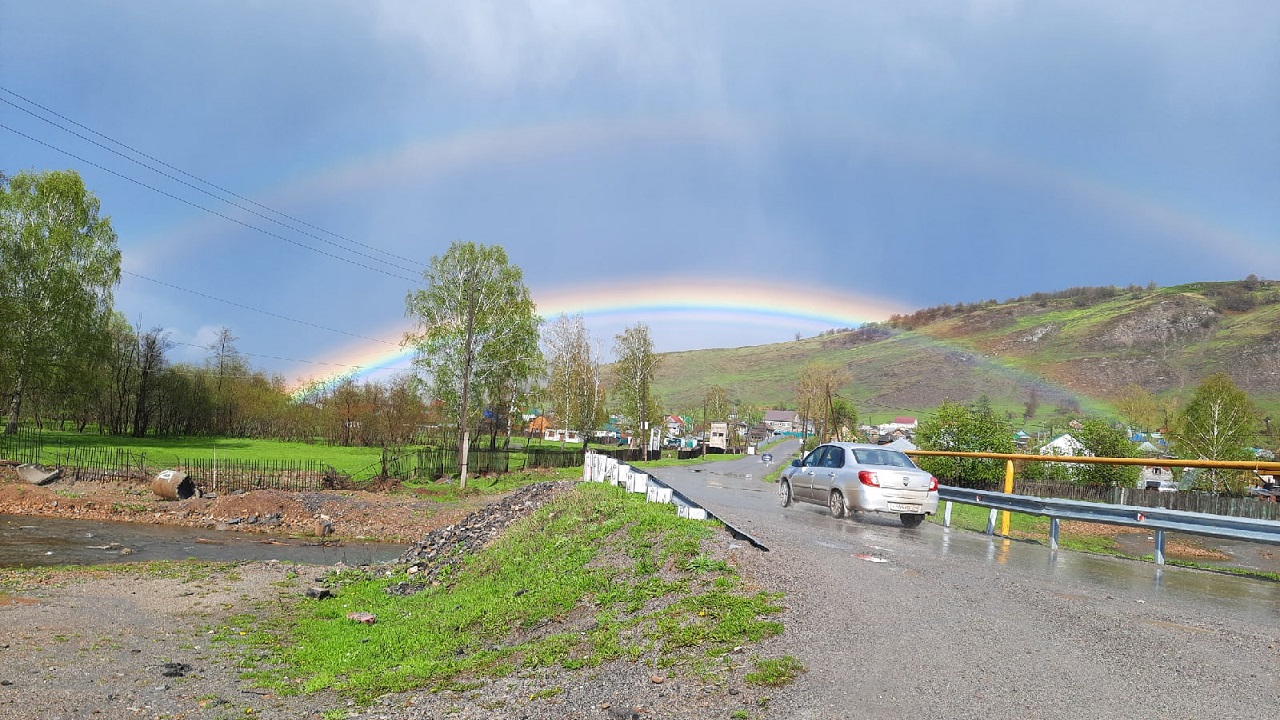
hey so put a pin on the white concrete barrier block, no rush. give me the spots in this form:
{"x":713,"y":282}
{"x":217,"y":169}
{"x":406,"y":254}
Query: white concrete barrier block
{"x":693,"y":513}
{"x":658,"y":494}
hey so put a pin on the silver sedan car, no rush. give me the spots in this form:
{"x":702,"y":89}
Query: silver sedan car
{"x":848,"y":477}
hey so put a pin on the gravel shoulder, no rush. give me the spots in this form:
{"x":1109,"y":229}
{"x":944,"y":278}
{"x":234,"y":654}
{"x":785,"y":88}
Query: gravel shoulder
{"x":889,"y":623}
{"x":135,"y":640}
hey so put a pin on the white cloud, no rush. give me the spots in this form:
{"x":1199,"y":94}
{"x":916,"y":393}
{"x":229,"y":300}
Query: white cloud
{"x":496,"y":45}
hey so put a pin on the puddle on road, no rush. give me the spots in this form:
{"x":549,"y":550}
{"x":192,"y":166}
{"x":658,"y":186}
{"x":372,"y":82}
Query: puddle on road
{"x":38,"y":541}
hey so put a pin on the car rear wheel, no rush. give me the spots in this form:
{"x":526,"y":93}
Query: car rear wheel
{"x":784,"y":493}
{"x":911,"y":519}
{"x":836,"y":504}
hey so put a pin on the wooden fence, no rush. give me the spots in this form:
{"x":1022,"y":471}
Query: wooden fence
{"x":438,"y":462}
{"x":24,"y":446}
{"x":108,"y":464}
{"x":225,"y":475}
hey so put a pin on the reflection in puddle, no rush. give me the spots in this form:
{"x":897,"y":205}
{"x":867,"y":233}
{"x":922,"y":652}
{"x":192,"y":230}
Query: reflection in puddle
{"x":32,"y":542}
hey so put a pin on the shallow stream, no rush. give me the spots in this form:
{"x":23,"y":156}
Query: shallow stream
{"x":27,"y":541}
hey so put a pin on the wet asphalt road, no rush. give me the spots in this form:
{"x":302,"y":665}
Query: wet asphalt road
{"x":945,"y":623}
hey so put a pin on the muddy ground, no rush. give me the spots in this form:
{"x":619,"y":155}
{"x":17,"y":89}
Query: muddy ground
{"x":137,"y":640}
{"x":390,"y":517}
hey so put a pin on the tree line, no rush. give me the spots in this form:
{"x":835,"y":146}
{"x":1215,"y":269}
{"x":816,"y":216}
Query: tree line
{"x":481,"y":355}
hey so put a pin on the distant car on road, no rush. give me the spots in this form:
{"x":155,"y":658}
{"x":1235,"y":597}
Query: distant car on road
{"x":766,"y":458}
{"x":852,"y":476}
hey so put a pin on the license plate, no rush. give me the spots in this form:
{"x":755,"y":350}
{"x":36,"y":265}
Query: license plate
{"x":903,"y":507}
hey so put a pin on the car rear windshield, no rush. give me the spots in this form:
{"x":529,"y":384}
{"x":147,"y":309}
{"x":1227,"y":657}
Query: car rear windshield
{"x":891,"y":458}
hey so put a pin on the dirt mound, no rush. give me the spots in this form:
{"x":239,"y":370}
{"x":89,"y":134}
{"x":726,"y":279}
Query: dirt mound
{"x":445,"y":546}
{"x":399,"y":517}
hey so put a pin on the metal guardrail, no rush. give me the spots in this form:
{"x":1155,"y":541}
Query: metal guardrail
{"x":1158,"y":520}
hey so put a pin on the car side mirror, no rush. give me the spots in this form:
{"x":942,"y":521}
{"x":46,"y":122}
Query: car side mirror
{"x":795,"y":463}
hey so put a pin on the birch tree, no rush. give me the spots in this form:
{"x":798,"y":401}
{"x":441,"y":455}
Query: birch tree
{"x":475,"y":328}
{"x":59,"y":264}
{"x":1217,"y":424}
{"x":574,"y":386}
{"x":634,"y":370}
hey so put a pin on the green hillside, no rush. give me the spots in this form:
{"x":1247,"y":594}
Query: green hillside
{"x":1072,"y":349}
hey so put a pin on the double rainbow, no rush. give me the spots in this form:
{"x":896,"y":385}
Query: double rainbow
{"x":683,"y":300}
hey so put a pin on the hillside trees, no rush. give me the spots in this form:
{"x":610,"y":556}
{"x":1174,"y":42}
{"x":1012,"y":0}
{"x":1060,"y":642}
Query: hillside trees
{"x":59,"y":264}
{"x":971,"y":428}
{"x":476,"y":329}
{"x":151,"y":360}
{"x":226,"y":364}
{"x":634,"y":368}
{"x":574,"y":388}
{"x":715,"y":405}
{"x":1217,"y":424}
{"x":1102,"y":440}
{"x":817,"y":394}
{"x":1138,"y":407}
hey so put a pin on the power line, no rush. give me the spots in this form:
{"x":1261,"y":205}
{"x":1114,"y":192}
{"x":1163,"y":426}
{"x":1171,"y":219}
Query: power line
{"x":257,"y":310}
{"x":197,"y":179}
{"x":271,"y":357}
{"x":211,"y":211}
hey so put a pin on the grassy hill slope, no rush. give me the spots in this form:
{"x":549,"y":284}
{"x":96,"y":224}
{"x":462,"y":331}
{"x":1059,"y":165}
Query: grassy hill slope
{"x":1071,"y":349}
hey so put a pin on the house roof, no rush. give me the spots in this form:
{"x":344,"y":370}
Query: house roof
{"x":780,"y":415}
{"x":904,"y":420}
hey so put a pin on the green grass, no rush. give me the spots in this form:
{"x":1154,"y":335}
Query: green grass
{"x":163,"y":452}
{"x":676,"y":462}
{"x":539,"y":596}
{"x":493,"y":485}
{"x":775,"y":672}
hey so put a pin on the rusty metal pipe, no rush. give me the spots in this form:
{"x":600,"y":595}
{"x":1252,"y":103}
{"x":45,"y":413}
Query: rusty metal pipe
{"x":173,"y":485}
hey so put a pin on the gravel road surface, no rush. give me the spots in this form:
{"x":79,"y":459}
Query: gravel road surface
{"x":932,"y":622}
{"x":890,"y":623}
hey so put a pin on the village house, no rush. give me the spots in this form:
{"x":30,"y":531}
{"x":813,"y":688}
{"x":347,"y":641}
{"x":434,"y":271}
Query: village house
{"x":782,"y":421}
{"x":1064,"y":445}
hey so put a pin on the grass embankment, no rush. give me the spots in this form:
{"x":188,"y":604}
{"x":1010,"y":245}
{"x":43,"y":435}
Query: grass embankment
{"x":594,"y":576}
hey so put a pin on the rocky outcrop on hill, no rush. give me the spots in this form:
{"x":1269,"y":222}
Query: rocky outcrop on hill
{"x":1171,"y":320}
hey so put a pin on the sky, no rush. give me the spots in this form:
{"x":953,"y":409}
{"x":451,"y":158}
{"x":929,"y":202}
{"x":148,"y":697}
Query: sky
{"x":729,"y":173}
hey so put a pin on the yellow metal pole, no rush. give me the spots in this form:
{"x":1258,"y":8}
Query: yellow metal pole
{"x":1008,"y":488}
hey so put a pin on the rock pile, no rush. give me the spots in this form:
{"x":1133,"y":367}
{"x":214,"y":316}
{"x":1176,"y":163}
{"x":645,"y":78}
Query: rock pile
{"x":445,"y":547}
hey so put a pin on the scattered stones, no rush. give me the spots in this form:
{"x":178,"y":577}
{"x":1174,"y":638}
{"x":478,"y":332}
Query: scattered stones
{"x":362,"y":617}
{"x":405,"y":589}
{"x":175,"y":669}
{"x":319,"y":593}
{"x":445,"y":547}
{"x":626,"y":713}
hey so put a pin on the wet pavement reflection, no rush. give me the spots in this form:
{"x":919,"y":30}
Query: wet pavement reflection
{"x":733,"y":491}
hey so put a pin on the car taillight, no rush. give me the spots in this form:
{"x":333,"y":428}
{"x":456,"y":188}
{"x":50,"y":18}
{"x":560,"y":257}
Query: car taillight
{"x":933,"y":483}
{"x":868,"y":478}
